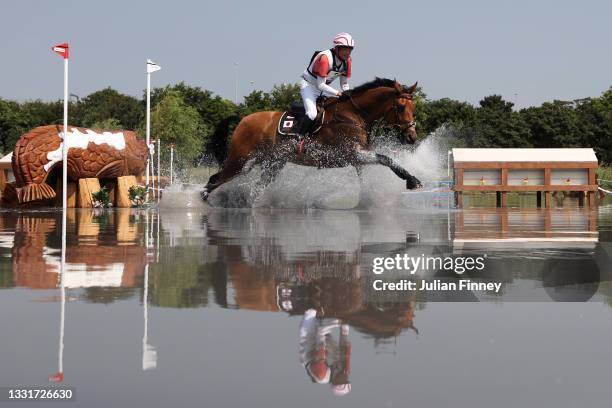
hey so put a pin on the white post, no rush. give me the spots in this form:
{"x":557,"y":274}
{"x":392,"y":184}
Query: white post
{"x":171,"y":163}
{"x":148,"y":120}
{"x":146,"y":320}
{"x":152,"y":164}
{"x":158,"y":169}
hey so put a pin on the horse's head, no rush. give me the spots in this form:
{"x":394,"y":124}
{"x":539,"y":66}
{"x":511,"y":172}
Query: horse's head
{"x":400,"y":112}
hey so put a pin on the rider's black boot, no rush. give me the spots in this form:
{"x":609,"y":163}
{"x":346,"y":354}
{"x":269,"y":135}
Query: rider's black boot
{"x":305,"y":127}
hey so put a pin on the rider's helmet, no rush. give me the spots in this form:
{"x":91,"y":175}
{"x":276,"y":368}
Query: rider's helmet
{"x":344,"y":40}
{"x":341,"y":389}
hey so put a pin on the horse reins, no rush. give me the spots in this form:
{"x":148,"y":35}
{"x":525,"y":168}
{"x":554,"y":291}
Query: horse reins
{"x":411,"y":124}
{"x":334,"y":118}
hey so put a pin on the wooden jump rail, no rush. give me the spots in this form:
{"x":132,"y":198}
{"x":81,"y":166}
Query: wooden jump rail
{"x":483,"y":170}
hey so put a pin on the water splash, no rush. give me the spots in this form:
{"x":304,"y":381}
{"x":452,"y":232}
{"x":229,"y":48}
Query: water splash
{"x":340,"y":188}
{"x":182,"y":195}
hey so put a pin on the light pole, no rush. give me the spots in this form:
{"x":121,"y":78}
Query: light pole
{"x":236,"y":83}
{"x":515,"y":100}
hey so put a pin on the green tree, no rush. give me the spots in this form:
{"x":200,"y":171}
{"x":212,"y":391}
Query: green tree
{"x":279,"y":99}
{"x":108,"y":124}
{"x":45,"y":113}
{"x":211,"y":108}
{"x":173,"y":121}
{"x":108,"y":104}
{"x":13,"y":123}
{"x":430,"y":115}
{"x":282,"y":96}
{"x":554,"y":124}
{"x":496,"y":125}
{"x":256,"y":101}
{"x":596,"y":124}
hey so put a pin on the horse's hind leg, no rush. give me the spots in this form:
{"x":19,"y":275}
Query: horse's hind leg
{"x":213,"y":182}
{"x":226,"y":174}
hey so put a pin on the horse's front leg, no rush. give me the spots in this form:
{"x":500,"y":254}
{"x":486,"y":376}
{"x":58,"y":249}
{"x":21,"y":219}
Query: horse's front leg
{"x":370,"y":157}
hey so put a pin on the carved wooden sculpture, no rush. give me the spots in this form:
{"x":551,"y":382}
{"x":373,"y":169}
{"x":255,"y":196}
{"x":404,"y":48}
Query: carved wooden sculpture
{"x":91,"y":153}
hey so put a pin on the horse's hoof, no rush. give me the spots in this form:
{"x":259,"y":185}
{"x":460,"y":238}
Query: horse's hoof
{"x":413,"y":182}
{"x":204,"y":194}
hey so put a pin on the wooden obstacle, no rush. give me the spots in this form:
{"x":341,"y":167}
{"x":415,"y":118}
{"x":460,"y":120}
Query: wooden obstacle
{"x":525,"y":170}
{"x":520,"y":225}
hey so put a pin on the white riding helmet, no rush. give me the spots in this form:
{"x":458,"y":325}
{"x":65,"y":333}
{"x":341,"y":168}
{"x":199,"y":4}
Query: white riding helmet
{"x":344,"y":40}
{"x":341,"y":389}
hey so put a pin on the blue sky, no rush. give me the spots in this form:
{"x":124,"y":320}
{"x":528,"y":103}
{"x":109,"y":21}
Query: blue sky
{"x":527,"y":51}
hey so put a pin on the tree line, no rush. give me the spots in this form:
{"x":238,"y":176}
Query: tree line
{"x":186,"y":116}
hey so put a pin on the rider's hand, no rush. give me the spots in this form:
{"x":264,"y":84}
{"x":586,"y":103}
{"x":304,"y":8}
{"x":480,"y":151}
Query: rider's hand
{"x":339,"y":94}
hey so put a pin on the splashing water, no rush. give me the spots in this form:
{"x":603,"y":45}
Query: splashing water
{"x":180,"y":195}
{"x":337,"y":188}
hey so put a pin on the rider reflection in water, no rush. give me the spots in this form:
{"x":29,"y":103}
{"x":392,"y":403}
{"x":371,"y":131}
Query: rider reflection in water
{"x":326,"y":361}
{"x":323,"y":69}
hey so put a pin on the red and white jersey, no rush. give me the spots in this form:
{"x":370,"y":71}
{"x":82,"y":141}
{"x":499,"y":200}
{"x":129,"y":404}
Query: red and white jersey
{"x":326,"y":64}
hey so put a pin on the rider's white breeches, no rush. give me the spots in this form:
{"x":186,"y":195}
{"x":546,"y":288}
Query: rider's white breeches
{"x":309,"y":96}
{"x":310,"y":93}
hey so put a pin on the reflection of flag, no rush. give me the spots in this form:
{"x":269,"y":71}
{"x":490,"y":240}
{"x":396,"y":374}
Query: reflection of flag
{"x":57,"y":377}
{"x":61,"y":49}
{"x":152,"y":67}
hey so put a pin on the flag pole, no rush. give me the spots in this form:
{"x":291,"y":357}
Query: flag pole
{"x":148,"y":119}
{"x":64,"y":213}
{"x":63,"y":50}
{"x":151,"y":67}
{"x":65,"y":163}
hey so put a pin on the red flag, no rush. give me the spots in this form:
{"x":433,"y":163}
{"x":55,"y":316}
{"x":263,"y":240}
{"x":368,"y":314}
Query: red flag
{"x":61,"y":49}
{"x":57,"y":377}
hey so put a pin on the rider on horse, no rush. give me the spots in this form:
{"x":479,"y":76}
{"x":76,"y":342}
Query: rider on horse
{"x":324,"y":67}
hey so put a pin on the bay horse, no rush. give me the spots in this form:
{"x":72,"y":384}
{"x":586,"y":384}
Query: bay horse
{"x":341,"y":141}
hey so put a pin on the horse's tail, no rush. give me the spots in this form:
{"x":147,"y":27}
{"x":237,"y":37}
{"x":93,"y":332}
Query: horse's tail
{"x":217,"y":144}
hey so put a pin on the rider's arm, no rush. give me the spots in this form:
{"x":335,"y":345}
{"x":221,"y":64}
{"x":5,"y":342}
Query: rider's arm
{"x":344,"y":85}
{"x":323,"y":87}
{"x":345,"y":77}
{"x":320,"y":69}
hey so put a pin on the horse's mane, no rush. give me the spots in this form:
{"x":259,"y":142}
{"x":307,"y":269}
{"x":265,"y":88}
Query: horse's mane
{"x":376,"y":83}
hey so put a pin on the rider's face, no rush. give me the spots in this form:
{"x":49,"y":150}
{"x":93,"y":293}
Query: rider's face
{"x":344,"y":52}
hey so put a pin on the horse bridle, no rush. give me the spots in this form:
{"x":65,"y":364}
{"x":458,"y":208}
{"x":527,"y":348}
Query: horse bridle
{"x":396,"y":107}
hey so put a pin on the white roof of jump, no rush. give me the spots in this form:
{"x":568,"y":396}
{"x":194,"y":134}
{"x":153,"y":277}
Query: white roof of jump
{"x":7,"y":158}
{"x":524,"y":155}
{"x":5,"y":162}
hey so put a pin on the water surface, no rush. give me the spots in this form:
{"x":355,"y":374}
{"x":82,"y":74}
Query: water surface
{"x":268,"y":307}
